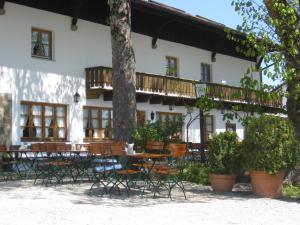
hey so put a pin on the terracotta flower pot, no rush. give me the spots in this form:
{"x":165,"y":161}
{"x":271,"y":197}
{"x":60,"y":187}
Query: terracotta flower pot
{"x":266,"y":185}
{"x":222,"y":182}
{"x":155,"y":145}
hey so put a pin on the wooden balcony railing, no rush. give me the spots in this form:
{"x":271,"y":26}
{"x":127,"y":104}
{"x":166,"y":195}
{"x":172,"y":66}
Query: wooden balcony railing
{"x":240,"y":95}
{"x":100,"y":78}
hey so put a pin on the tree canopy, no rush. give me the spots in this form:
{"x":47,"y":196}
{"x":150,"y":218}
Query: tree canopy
{"x":272,"y":31}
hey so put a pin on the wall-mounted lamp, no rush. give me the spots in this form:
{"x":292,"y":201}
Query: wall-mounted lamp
{"x":171,"y":107}
{"x":213,"y":57}
{"x":76,"y":97}
{"x":152,"y":115}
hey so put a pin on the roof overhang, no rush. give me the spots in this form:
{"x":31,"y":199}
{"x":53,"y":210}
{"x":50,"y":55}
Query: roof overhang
{"x":147,"y":19}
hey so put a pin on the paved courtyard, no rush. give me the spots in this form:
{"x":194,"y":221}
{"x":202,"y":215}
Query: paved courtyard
{"x":21,"y":202}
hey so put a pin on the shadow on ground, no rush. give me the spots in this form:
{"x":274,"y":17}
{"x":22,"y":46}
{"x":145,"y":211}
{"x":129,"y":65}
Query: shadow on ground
{"x":80,"y":194}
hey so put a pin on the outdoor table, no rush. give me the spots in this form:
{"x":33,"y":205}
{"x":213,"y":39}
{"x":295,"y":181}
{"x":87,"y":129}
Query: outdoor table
{"x":15,"y":158}
{"x":26,"y":160}
{"x":67,"y":162}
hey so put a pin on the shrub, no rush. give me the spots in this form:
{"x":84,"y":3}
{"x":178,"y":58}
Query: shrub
{"x":158,"y":131}
{"x":270,"y":145}
{"x":196,"y":173}
{"x":224,"y":153}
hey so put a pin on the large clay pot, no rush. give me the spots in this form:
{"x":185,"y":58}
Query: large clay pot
{"x":266,"y":185}
{"x":222,"y":182}
{"x":155,"y":145}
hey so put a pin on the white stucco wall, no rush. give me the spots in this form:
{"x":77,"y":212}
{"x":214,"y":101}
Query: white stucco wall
{"x":55,"y":81}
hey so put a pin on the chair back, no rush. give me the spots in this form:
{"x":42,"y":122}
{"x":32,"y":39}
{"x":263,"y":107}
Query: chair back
{"x":68,"y":147}
{"x":3,"y":148}
{"x":60,"y":147}
{"x":105,"y":148}
{"x":50,"y":147}
{"x":36,"y":147}
{"x":14,"y":147}
{"x":118,"y":148}
{"x":177,"y":150}
{"x":95,"y":148}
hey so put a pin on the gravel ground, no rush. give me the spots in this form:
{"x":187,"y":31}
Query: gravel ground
{"x":21,"y":202}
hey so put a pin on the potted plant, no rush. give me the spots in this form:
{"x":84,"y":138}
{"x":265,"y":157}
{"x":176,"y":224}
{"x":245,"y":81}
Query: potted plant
{"x":149,"y":136}
{"x":223,"y":161}
{"x":158,"y":135}
{"x":269,"y":150}
{"x":173,"y":140}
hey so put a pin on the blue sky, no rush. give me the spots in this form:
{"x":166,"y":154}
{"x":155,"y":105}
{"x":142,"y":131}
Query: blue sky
{"x":218,"y":10}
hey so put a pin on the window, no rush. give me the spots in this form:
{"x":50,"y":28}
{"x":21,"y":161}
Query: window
{"x":205,"y":72}
{"x":165,"y":117}
{"x":172,"y":66}
{"x":41,"y":43}
{"x":97,"y":123}
{"x":231,"y":127}
{"x":141,"y":118}
{"x":208,"y":127}
{"x":43,"y":121}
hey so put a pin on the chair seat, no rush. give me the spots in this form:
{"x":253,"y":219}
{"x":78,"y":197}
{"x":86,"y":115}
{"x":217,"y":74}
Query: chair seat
{"x":60,"y":163}
{"x":9,"y":162}
{"x":166,"y":171}
{"x":130,"y":172}
{"x":101,"y":169}
{"x":104,"y":161}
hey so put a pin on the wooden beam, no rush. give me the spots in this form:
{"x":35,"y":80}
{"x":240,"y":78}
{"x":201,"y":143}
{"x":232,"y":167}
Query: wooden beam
{"x":169,"y":101}
{"x":76,"y":13}
{"x":158,"y":31}
{"x":213,"y":56}
{"x":107,"y":96}
{"x":156,"y":99}
{"x":2,"y":10}
{"x":142,"y":98}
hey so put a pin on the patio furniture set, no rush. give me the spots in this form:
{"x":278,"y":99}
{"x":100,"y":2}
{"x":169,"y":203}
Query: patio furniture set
{"x":108,"y":166}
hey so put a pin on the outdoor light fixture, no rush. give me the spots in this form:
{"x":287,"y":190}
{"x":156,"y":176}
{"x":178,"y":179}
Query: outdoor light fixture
{"x":171,"y":107}
{"x":76,"y":97}
{"x":152,"y":115}
{"x":200,"y":89}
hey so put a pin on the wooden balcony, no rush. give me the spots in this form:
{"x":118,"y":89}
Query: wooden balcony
{"x":99,"y":81}
{"x":225,"y":93}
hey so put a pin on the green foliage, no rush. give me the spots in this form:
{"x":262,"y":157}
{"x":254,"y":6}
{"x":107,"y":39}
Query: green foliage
{"x":158,"y":131}
{"x":252,"y":95}
{"x":196,"y":173}
{"x":206,"y":104}
{"x":292,"y":191}
{"x":270,"y":145}
{"x":224,"y":153}
{"x":272,"y":31}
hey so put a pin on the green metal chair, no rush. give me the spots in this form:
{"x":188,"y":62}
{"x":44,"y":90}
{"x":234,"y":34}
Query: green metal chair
{"x":169,"y":177}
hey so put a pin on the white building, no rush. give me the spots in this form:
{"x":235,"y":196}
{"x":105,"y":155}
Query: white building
{"x":43,"y":63}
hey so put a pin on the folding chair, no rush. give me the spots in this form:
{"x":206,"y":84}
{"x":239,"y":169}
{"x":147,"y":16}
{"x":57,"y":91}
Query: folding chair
{"x":170,"y":176}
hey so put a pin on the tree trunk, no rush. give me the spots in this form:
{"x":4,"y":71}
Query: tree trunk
{"x":293,"y":103}
{"x":284,"y":31}
{"x":123,"y":64}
